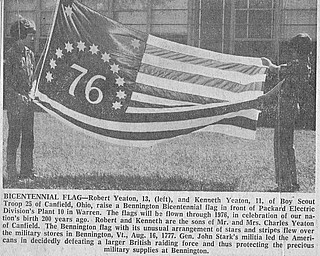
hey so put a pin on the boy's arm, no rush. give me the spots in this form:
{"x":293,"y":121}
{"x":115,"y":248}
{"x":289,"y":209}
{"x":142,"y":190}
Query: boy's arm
{"x":272,"y":67}
{"x":14,"y":99}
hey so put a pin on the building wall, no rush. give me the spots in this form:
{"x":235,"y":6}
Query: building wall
{"x":242,"y":27}
{"x":298,"y":16}
{"x":165,"y":18}
{"x":255,"y":27}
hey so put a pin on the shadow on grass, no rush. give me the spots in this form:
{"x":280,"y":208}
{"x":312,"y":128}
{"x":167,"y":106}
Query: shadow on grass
{"x":121,"y":182}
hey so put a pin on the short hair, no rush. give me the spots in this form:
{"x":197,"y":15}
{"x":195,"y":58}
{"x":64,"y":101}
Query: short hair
{"x":21,"y":28}
{"x":302,"y":43}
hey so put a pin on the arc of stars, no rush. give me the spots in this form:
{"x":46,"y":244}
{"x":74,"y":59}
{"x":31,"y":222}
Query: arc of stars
{"x":106,"y":57}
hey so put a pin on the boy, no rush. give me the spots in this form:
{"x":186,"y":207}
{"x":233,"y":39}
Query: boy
{"x":296,"y":74}
{"x":19,"y":67}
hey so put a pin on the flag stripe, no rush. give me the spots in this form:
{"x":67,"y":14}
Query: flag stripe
{"x":225,"y":105}
{"x":201,"y":53}
{"x":225,"y":129}
{"x":231,"y":76}
{"x":159,"y":122}
{"x":172,"y":95}
{"x":230,"y":130}
{"x":145,"y":105}
{"x":153,"y":135}
{"x":164,"y":118}
{"x":92,"y":133}
{"x":211,"y":63}
{"x":195,"y":89}
{"x":199,"y":79}
{"x":144,"y":98}
{"x":173,"y":109}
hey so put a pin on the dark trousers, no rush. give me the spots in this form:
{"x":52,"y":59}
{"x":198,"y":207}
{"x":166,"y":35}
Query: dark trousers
{"x":284,"y":153}
{"x":20,"y":129}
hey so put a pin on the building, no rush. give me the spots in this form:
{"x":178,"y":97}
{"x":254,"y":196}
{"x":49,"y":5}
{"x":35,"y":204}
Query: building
{"x":241,"y":27}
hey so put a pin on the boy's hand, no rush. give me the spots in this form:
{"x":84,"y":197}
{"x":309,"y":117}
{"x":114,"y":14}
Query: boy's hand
{"x":25,"y":99}
{"x":266,"y":62}
{"x":272,"y":67}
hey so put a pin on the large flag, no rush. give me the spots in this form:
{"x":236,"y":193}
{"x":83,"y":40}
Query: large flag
{"x":135,"y":89}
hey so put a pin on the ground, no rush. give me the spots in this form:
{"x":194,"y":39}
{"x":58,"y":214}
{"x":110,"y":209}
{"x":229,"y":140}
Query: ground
{"x":67,"y":159}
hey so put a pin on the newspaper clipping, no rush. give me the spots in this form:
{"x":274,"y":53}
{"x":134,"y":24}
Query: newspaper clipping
{"x":173,"y":127}
{"x":77,"y":223}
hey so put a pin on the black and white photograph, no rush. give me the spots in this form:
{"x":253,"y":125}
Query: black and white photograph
{"x":195,"y":117}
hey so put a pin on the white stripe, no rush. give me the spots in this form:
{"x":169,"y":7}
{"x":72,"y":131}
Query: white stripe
{"x":135,"y":110}
{"x":196,"y":89}
{"x":232,"y":76}
{"x":178,"y":109}
{"x":225,"y":129}
{"x":202,"y":53}
{"x":130,"y":143}
{"x":230,"y":130}
{"x":147,"y":126}
{"x":157,"y":100}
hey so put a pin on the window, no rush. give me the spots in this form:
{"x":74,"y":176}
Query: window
{"x":215,"y":25}
{"x":253,"y":27}
{"x":254,"y":19}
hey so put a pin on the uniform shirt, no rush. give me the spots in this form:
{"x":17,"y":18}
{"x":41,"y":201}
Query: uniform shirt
{"x":297,"y":75}
{"x":19,"y":69}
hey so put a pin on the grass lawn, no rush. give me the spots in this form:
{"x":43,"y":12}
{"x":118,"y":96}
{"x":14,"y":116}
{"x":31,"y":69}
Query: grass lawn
{"x":67,"y":159}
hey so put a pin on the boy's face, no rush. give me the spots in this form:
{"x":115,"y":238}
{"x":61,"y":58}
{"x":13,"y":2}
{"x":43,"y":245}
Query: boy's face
{"x":28,"y":41}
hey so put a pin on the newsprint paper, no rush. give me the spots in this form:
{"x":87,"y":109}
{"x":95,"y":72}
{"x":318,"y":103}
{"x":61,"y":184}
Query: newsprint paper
{"x":202,"y":193}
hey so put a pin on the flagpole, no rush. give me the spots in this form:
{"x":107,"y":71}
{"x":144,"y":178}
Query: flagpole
{"x":46,"y":48}
{"x":278,"y":153}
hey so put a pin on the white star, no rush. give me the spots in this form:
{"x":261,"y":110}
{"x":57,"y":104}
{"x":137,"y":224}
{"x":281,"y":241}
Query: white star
{"x":68,"y":10}
{"x":53,"y":63}
{"x":49,"y":76}
{"x":135,"y":43}
{"x":120,"y":81}
{"x":69,"y":47}
{"x":114,"y":68}
{"x":81,"y":46}
{"x":93,"y":49}
{"x":121,"y":94}
{"x":59,"y":53}
{"x":106,"y":57}
{"x":116,"y":105}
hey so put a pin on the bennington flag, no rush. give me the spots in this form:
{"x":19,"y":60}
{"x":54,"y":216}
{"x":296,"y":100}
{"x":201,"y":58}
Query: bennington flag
{"x":134,"y":89}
